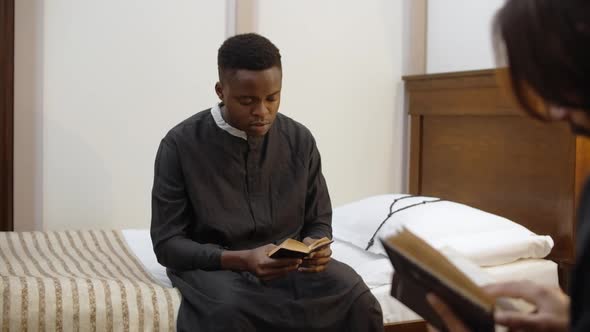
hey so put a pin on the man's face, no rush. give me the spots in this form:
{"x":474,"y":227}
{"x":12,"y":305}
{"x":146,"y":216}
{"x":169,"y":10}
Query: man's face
{"x":251,"y":98}
{"x":579,"y":120}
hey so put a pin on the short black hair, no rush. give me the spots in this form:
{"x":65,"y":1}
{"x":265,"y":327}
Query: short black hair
{"x":247,"y":51}
{"x":546,"y":44}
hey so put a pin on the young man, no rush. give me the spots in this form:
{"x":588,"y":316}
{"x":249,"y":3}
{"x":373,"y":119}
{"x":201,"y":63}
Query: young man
{"x":231,"y":182}
{"x":547,"y":47}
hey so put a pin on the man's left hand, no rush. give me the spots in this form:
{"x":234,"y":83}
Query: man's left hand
{"x":317,"y":260}
{"x":451,"y":321}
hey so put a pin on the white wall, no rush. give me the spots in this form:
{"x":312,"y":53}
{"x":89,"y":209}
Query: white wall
{"x":459,"y":34}
{"x":342,"y":64}
{"x":98,"y":84}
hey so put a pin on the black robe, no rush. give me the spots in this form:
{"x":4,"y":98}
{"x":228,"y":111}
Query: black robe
{"x":580,"y":282}
{"x":215,"y":191}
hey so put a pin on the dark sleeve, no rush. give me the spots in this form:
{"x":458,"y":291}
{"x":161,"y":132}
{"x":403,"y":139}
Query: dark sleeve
{"x":318,"y":209}
{"x":581,"y":304}
{"x":171,"y":218}
{"x":584,"y":324}
{"x":580,"y":291}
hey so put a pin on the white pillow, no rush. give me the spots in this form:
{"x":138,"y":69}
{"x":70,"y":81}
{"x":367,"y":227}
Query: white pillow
{"x":485,"y":238}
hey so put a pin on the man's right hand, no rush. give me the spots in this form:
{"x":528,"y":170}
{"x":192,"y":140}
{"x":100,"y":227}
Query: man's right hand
{"x":257,"y":262}
{"x":266,"y":268}
{"x":552,"y":305}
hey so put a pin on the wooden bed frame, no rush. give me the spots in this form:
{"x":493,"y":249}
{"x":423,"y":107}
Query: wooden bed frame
{"x":469,"y":143}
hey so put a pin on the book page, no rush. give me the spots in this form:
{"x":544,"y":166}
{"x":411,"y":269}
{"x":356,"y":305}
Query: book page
{"x":294,"y":245}
{"x":478,"y":275}
{"x":320,"y":244}
{"x":437,"y":264}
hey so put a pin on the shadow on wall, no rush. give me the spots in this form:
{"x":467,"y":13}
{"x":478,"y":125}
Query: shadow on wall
{"x":28,"y":115}
{"x":401,"y":124}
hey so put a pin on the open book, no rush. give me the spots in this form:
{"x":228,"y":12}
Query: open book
{"x":420,"y":269}
{"x":291,"y":248}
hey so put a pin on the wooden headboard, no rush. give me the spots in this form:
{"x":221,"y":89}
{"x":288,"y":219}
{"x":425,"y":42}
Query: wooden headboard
{"x":471,"y":144}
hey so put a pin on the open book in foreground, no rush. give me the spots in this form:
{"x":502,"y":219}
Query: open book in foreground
{"x":420,"y":269}
{"x":291,"y":248}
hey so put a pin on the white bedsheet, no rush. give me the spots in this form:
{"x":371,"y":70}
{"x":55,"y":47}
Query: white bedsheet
{"x":375,"y":270}
{"x":140,"y":243}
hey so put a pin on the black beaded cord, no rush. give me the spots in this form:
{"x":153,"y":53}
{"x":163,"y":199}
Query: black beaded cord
{"x":391,"y":213}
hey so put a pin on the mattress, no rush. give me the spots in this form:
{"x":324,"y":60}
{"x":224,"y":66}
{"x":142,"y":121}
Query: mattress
{"x":79,"y":281}
{"x":376,"y":271}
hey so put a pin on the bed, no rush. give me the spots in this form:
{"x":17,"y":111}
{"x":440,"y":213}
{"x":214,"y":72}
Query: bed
{"x":468,"y":145}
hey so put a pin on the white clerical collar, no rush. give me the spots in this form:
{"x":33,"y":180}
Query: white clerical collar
{"x":216,"y":113}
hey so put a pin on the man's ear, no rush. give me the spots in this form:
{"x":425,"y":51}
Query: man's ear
{"x":219,"y":90}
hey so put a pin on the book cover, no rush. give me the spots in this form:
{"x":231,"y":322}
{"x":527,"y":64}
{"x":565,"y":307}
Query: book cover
{"x":421,"y":269}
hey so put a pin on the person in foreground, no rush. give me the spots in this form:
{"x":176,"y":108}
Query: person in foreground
{"x":230,"y":183}
{"x":547,"y":46}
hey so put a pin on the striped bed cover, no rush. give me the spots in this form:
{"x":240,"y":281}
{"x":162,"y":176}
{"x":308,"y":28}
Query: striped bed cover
{"x":79,"y":281}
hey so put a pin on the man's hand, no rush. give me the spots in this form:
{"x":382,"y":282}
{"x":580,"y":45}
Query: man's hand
{"x":266,"y":268}
{"x":451,"y":321}
{"x":552,"y":304}
{"x":316,"y":261}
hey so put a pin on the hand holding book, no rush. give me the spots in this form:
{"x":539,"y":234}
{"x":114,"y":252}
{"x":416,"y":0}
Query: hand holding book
{"x":449,"y":318}
{"x":317,"y":260}
{"x":258,"y":262}
{"x":552,"y":305}
{"x":447,"y":290}
{"x":314,"y":252}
